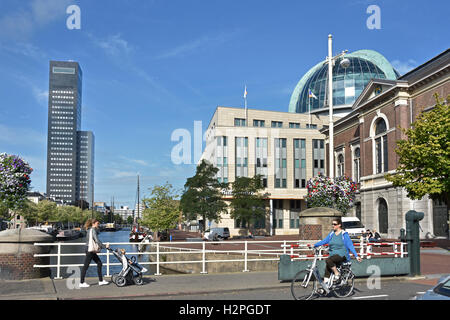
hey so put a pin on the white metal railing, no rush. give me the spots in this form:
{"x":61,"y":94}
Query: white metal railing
{"x":267,"y":251}
{"x":365,"y":249}
{"x":252,"y":250}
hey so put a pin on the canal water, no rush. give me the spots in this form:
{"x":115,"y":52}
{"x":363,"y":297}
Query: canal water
{"x":118,"y":236}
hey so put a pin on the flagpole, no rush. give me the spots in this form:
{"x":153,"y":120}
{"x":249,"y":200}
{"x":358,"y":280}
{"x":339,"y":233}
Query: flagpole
{"x":245,"y":105}
{"x":309,"y":110}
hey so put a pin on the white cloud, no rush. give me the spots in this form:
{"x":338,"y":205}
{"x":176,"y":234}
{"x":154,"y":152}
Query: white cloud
{"x":404,"y":66}
{"x":113,"y":45}
{"x":196,"y":44}
{"x":23,"y":22}
{"x":21,"y":136}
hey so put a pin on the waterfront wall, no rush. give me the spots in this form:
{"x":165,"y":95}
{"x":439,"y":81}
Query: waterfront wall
{"x":17,"y":251}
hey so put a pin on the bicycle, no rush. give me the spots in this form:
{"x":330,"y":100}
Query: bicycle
{"x":305,"y":283}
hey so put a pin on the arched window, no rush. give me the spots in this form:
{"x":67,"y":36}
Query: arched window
{"x":357,"y":164}
{"x":382,"y":216}
{"x":381,"y":152}
{"x":340,"y":165}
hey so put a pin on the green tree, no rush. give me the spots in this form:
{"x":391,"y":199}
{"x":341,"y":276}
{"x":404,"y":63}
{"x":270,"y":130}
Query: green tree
{"x":248,"y":204}
{"x":47,"y":211}
{"x":162,"y":209}
{"x":130,"y":220}
{"x":29,"y":211}
{"x":202,"y":196}
{"x":424,"y":157}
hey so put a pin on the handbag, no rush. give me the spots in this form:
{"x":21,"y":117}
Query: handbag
{"x":93,"y":246}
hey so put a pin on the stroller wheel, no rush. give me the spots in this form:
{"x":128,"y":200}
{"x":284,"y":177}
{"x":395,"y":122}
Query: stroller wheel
{"x":120,"y":281}
{"x":114,"y":277}
{"x":138,"y":280}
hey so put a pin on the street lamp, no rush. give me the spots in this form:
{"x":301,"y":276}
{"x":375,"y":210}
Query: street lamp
{"x":345,"y":63}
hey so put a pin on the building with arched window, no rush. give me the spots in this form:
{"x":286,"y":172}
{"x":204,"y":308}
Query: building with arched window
{"x":365,"y":142}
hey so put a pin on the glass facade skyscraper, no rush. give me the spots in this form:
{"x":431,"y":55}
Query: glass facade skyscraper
{"x":64,"y":133}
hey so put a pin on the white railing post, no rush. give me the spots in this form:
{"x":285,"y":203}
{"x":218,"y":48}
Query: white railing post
{"x":402,"y":250}
{"x":157,"y":260}
{"x":245,"y":257}
{"x":361,"y":247}
{"x":107,"y":263}
{"x":369,"y":250}
{"x":395,"y":250}
{"x":203,"y":258}
{"x":284,"y":248}
{"x":58,"y":262}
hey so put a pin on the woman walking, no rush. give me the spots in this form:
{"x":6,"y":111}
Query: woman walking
{"x":93,"y":246}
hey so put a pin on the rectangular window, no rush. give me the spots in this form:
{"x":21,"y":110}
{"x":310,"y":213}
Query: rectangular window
{"x":62,"y":70}
{"x":299,"y":162}
{"x":318,"y":157}
{"x":258,"y":123}
{"x":222,"y":159}
{"x":261,"y":154}
{"x":241,"y":156}
{"x":238,"y":122}
{"x":277,"y":124}
{"x":294,"y":125}
{"x":280,"y":163}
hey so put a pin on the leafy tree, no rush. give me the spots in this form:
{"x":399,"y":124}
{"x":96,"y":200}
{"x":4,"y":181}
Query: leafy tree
{"x":130,"y":220}
{"x":424,"y":157}
{"x":47,"y":211}
{"x":201,"y":196}
{"x":29,"y":211}
{"x":247,"y":202}
{"x":162,"y":209}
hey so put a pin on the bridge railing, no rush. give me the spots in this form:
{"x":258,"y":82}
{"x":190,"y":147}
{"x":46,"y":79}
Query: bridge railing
{"x":241,"y":251}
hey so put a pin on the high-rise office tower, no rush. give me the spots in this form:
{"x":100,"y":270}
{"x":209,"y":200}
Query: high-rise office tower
{"x":85,"y":166}
{"x":64,"y":151}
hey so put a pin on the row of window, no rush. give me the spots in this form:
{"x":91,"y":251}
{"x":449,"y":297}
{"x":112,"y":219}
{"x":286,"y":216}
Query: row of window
{"x":63,"y":144}
{"x":63,"y":91}
{"x":239,"y":122}
{"x":55,"y":106}
{"x":62,"y":118}
{"x":62,"y":102}
{"x":63,"y":97}
{"x":261,"y":160}
{"x":60,"y":149}
{"x":62,"y":128}
{"x":61,"y":138}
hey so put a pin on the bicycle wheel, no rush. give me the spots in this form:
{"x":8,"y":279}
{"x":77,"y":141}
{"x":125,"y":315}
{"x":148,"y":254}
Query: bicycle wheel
{"x":345,"y":288}
{"x":301,"y":287}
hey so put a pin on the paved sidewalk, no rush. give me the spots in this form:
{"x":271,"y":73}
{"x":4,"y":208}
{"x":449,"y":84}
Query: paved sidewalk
{"x":434,"y":263}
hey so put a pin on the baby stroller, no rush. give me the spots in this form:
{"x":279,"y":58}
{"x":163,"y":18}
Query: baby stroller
{"x":131,"y":271}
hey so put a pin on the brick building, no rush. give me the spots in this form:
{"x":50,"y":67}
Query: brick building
{"x":365,"y":140}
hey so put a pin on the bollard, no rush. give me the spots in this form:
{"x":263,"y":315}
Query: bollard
{"x":412,"y":237}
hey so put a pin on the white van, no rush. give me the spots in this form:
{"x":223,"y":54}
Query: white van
{"x":353,"y":226}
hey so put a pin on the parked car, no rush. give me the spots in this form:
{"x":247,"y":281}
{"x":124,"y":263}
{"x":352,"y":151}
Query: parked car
{"x":215,"y":234}
{"x":353,"y":226}
{"x":439,"y":292}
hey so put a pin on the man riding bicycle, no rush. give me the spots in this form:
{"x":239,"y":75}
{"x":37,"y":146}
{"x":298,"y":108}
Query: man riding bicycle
{"x":339,"y":244}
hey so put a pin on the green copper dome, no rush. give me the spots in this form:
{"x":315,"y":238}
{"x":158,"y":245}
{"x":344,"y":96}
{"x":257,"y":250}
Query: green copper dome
{"x":348,"y":83}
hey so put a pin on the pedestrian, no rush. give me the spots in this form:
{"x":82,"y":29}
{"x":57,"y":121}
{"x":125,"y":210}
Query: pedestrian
{"x":339,"y":244}
{"x":93,"y":246}
{"x":375,"y":236}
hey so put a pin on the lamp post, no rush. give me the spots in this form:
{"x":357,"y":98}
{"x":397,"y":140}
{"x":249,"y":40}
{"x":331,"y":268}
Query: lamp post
{"x":344,"y":63}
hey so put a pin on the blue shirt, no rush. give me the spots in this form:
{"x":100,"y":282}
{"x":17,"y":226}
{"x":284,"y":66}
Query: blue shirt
{"x":337,"y":246}
{"x":347,"y":243}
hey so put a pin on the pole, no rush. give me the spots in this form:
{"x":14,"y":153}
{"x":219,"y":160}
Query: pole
{"x":330,"y":104}
{"x":245,"y":104}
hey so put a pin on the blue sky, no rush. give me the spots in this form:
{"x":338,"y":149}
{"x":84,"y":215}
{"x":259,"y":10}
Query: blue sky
{"x":151,"y":67}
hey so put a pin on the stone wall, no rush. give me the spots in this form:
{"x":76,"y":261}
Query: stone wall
{"x":17,"y":252}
